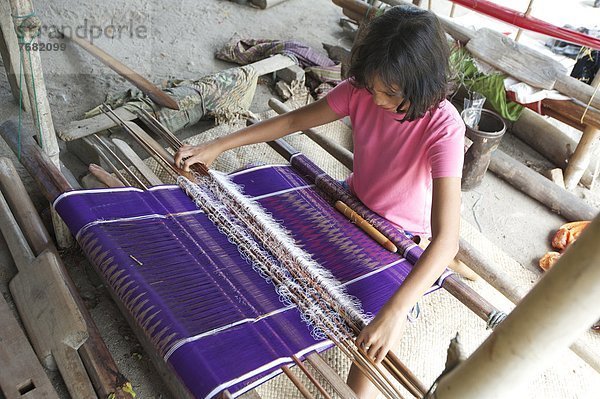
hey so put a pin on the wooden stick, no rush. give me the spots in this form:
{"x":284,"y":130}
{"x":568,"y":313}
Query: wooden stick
{"x":452,"y":10}
{"x":311,"y":377}
{"x":120,"y":161}
{"x":352,"y":15}
{"x":580,"y":160}
{"x":136,"y":161}
{"x":527,"y":13}
{"x":147,"y":87}
{"x":365,"y":226}
{"x":329,"y":374}
{"x":297,"y":383}
{"x":337,"y":151}
{"x":531,"y":337}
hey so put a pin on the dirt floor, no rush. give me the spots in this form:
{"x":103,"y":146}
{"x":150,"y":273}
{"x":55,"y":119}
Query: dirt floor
{"x":164,"y":40}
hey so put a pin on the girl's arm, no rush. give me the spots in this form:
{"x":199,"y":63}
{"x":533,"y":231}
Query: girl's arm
{"x":315,"y":114}
{"x":386,"y":328}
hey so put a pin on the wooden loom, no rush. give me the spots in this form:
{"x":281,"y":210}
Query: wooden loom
{"x":54,"y":185}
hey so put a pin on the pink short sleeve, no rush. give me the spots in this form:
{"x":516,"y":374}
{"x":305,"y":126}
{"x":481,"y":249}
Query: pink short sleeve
{"x":339,"y":98}
{"x":446,"y":155}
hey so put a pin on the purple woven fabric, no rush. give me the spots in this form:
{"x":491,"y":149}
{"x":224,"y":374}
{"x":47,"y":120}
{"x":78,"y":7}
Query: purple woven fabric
{"x":334,"y":191}
{"x":203,"y":308}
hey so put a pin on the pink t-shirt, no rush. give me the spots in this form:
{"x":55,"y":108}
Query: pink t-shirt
{"x":395,"y":162}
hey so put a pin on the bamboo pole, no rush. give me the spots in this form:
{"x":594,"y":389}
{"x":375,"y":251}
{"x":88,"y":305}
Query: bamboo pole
{"x":9,"y":50}
{"x":515,"y":292}
{"x":580,"y":160}
{"x":27,"y":26}
{"x":558,"y":309}
{"x":337,"y":151}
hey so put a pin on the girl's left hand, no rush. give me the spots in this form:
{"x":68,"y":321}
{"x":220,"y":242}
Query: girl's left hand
{"x":384,"y":331}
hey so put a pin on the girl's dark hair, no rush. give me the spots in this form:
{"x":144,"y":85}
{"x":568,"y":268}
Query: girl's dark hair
{"x":407,"y":49}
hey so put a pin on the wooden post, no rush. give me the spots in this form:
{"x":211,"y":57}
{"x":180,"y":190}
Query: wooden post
{"x":9,"y":51}
{"x":452,"y":10}
{"x":580,"y":160}
{"x":530,"y":338}
{"x":27,"y":26}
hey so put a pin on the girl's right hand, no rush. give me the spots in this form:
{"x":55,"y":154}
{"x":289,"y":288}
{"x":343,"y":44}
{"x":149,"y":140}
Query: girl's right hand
{"x":204,"y":153}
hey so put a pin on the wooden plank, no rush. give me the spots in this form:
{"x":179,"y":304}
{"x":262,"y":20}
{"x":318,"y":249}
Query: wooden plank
{"x":73,"y":372}
{"x":272,"y":64}
{"x":78,"y":129}
{"x":136,"y":161}
{"x":515,"y":59}
{"x":45,"y":304}
{"x":528,"y":65}
{"x":337,"y":383}
{"x":21,"y":374}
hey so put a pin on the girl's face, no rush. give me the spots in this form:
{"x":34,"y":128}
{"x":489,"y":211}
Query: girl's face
{"x":389,"y":98}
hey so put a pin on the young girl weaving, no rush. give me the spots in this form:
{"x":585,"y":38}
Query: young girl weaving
{"x":408,"y":152}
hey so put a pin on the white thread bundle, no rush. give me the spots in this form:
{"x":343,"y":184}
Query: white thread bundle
{"x":244,"y":221}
